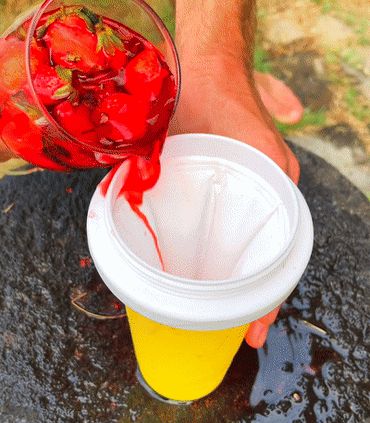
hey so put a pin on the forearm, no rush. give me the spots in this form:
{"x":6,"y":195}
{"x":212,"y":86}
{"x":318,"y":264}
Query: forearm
{"x":216,"y":27}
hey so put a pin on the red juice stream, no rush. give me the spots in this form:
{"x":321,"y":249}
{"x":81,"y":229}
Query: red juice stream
{"x":141,"y":174}
{"x":100,"y":94}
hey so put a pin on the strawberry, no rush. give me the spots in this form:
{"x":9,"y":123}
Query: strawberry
{"x":106,"y":89}
{"x":39,"y":56}
{"x":12,"y":65}
{"x":144,"y":74}
{"x":78,"y":39}
{"x":75,"y":120}
{"x":24,"y":137}
{"x":122,"y":117}
{"x":72,"y":44}
{"x":117,"y":60}
{"x":52,"y":84}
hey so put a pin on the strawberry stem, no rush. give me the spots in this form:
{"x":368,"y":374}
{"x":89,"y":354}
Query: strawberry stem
{"x":108,"y":40}
{"x":20,"y":101}
{"x":90,"y":18}
{"x":63,"y":92}
{"x":63,"y":73}
{"x":91,"y":15}
{"x":21,"y":33}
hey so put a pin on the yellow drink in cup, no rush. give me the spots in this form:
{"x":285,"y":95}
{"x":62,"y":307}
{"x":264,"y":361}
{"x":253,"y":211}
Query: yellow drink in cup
{"x":180,"y":364}
{"x":235,"y":235}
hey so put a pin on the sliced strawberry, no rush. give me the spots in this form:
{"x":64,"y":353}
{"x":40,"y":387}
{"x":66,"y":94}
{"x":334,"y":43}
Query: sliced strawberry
{"x":51,"y":85}
{"x":117,"y":61}
{"x":39,"y":56}
{"x":12,"y":65}
{"x":73,"y":45}
{"x":122,"y":117}
{"x":144,"y":74}
{"x":75,"y":120}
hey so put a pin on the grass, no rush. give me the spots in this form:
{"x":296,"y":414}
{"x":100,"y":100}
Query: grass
{"x":166,"y":12}
{"x":260,"y":60}
{"x":359,"y":24}
{"x":358,"y":110}
{"x":352,"y":57}
{"x":326,"y":5}
{"x":310,"y":118}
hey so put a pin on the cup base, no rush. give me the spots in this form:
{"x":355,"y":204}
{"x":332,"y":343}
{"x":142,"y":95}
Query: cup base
{"x":154,"y":394}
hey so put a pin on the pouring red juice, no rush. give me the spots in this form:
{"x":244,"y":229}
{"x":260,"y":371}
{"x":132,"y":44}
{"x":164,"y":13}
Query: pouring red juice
{"x":80,"y":90}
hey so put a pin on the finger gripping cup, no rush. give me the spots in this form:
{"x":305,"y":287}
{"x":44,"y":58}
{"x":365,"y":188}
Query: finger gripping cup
{"x":235,"y":236}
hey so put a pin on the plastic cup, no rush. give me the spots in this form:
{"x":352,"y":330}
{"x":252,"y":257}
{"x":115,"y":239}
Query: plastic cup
{"x":236,"y":235}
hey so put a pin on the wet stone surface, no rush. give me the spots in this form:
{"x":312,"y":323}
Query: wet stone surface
{"x":58,"y":365}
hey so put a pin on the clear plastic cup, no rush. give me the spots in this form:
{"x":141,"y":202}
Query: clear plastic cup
{"x":236,"y":236}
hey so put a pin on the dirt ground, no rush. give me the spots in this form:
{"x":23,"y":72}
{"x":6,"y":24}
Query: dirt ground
{"x":342,"y":61}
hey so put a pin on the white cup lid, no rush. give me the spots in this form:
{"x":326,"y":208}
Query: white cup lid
{"x":234,"y":231}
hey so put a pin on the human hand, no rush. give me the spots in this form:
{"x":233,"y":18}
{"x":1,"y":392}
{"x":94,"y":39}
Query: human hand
{"x":217,"y":97}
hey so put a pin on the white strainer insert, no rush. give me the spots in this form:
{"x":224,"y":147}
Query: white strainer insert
{"x":214,"y":219}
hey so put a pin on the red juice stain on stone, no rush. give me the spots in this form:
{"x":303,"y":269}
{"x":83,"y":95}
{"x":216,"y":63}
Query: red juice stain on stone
{"x":85,"y":262}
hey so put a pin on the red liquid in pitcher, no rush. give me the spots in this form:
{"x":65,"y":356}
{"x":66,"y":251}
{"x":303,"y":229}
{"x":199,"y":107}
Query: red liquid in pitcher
{"x":100,"y":94}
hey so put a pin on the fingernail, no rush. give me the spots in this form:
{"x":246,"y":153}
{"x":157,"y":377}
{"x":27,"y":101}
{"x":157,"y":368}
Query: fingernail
{"x":257,"y":334}
{"x":270,"y":318}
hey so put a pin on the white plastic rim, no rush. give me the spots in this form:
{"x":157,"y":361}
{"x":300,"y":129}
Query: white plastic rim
{"x":207,"y":304}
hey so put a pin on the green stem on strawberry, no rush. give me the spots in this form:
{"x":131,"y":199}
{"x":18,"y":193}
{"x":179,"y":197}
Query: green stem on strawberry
{"x":66,"y":90}
{"x":63,"y":92}
{"x":21,"y":102}
{"x":21,"y":33}
{"x":82,"y":12}
{"x":64,"y":74}
{"x":108,"y":39}
{"x":93,"y":18}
